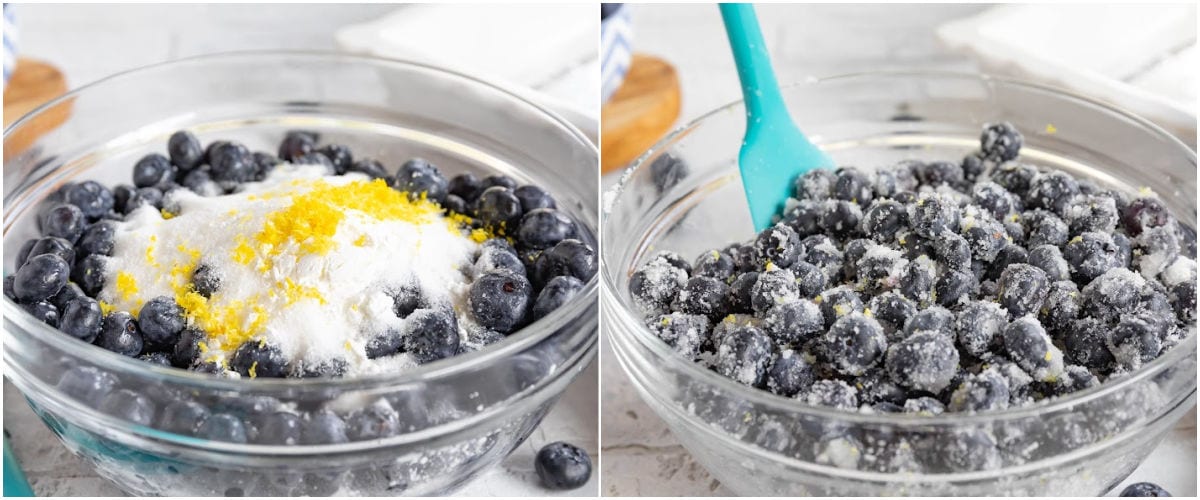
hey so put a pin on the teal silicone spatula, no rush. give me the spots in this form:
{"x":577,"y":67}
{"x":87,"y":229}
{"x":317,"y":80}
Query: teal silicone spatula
{"x":774,"y":151}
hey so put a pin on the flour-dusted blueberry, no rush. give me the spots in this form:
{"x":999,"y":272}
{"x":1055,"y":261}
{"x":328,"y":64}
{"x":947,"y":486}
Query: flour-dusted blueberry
{"x":1052,"y":191}
{"x":280,"y":427}
{"x":876,"y":387}
{"x":932,"y":214}
{"x":466,"y":186}
{"x":81,"y":318}
{"x":1091,"y":213}
{"x":1026,"y":343}
{"x":499,"y":300}
{"x":161,"y":320}
{"x":418,"y":177}
{"x":1008,"y":256}
{"x":936,"y":173}
{"x":741,"y":292}
{"x":556,"y":293}
{"x":1135,"y":340}
{"x":339,"y":155}
{"x":1144,"y":490}
{"x":925,"y":361}
{"x":804,"y":217}
{"x":816,"y":184}
{"x":892,"y":310}
{"x":832,"y":393}
{"x":1061,"y":306}
{"x":744,"y":355}
{"x":1044,"y":228}
{"x":119,"y":333}
{"x":703,"y":295}
{"x":432,"y":334}
{"x":995,"y":199}
{"x":810,"y":280}
{"x":206,"y":280}
{"x":880,"y":267}
{"x":87,"y":384}
{"x":953,"y":251}
{"x":932,"y":319}
{"x":1000,"y":141}
{"x":40,"y":278}
{"x":1179,"y":279}
{"x":1023,"y":289}
{"x":64,"y":221}
{"x":385,"y":343}
{"x":1014,"y":177}
{"x":656,"y":283}
{"x":222,"y":427}
{"x":685,"y":333}
{"x":853,"y":185}
{"x":853,"y":344}
{"x":1085,"y":343}
{"x":774,"y":286}
{"x":924,"y":405}
{"x":533,"y":197}
{"x":779,"y":245}
{"x":714,"y":264}
{"x":840,"y":218}
{"x":977,"y":325}
{"x":1112,"y":294}
{"x":984,"y":235}
{"x":51,"y":245}
{"x":1049,"y":258}
{"x":563,"y":466}
{"x":917,"y":280}
{"x":1155,"y":249}
{"x":44,"y":311}
{"x":985,"y":391}
{"x":570,"y":257}
{"x":182,"y":417}
{"x":545,"y":227}
{"x":793,"y":323}
{"x":883,"y":219}
{"x":790,"y":374}
{"x":152,"y":170}
{"x":954,"y":286}
{"x":837,"y":302}
{"x":128,"y":405}
{"x":323,"y":427}
{"x":258,"y":358}
{"x":1142,"y":213}
{"x":92,"y":198}
{"x":821,"y":251}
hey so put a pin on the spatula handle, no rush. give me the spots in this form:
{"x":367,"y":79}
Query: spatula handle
{"x":759,"y":86}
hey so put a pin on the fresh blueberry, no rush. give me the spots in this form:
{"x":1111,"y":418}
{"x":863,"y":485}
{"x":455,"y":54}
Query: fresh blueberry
{"x":185,"y":150}
{"x":144,"y":197}
{"x":153,"y":170}
{"x":570,"y":257}
{"x":258,"y":358}
{"x":562,"y":466}
{"x":119,"y":333}
{"x":500,"y":299}
{"x":544,"y":228}
{"x":44,"y":311}
{"x":323,"y":427}
{"x":500,"y":180}
{"x":296,"y":144}
{"x":92,"y":198}
{"x":455,"y":205}
{"x":533,"y":197}
{"x":63,"y":221}
{"x":313,"y":158}
{"x":465,"y":186}
{"x":667,"y":170}
{"x":774,"y":286}
{"x":40,"y":278}
{"x":744,"y":355}
{"x":432,"y":334}
{"x":1023,"y":289}
{"x":417,"y":177}
{"x":280,"y":427}
{"x":87,"y":383}
{"x":98,"y":239}
{"x":182,"y":417}
{"x":222,"y":427}
{"x":853,"y":344}
{"x":779,"y":245}
{"x":1026,"y":343}
{"x":840,"y":218}
{"x":1000,"y":142}
{"x":233,"y":164}
{"x":375,"y":421}
{"x":51,"y":245}
{"x":498,"y":207}
{"x":790,"y":374}
{"x":264,"y":164}
{"x":793,"y":323}
{"x":883,"y":219}
{"x":129,"y":406}
{"x":156,"y":358}
{"x":340,"y":155}
{"x":89,"y":274}
{"x":368,"y":167}
{"x":186,"y":351}
{"x":161,"y":320}
{"x":1144,"y":490}
{"x":685,"y":333}
{"x":925,"y":361}
{"x":200,"y":181}
{"x":556,"y":293}
{"x":493,"y":256}
{"x":81,"y":318}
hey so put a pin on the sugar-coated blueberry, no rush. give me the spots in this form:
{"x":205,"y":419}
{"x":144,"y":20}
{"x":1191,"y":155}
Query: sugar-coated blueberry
{"x":892,"y":310}
{"x":714,"y":264}
{"x":917,"y":280}
{"x":431,"y":334}
{"x":1144,"y":490}
{"x":832,"y":393}
{"x":883,"y":219}
{"x":656,"y":283}
{"x":837,"y":302}
{"x":1061,"y":307}
{"x":816,"y":185}
{"x":840,"y":218}
{"x":977,"y":324}
{"x":744,"y":355}
{"x":925,"y":361}
{"x":932,"y":214}
{"x":703,"y":295}
{"x":1000,"y":141}
{"x":852,"y":345}
{"x":1026,"y":343}
{"x":794,"y":322}
{"x":985,"y":391}
{"x":1144,"y":212}
{"x":853,"y":185}
{"x":779,"y":245}
{"x":1023,"y":289}
{"x":790,"y":374}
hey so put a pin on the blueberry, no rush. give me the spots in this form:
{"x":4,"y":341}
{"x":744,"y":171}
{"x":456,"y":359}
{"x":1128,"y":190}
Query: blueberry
{"x":98,"y":239}
{"x":1091,"y":213}
{"x":296,"y":144}
{"x":917,"y":280}
{"x":1026,"y":343}
{"x":656,"y":283}
{"x":186,"y":351}
{"x":840,"y":218}
{"x":1144,"y":490}
{"x":368,"y":167}
{"x":703,"y":295}
{"x":832,"y":393}
{"x":222,"y":427}
{"x":779,"y":245}
{"x":1015,"y":177}
{"x":925,"y":361}
{"x":940,"y":172}
{"x":875,"y":387}
{"x":774,"y":286}
{"x":206,"y":280}
{"x":81,"y":318}
{"x":562,"y":466}
{"x":965,"y":450}
{"x":326,"y":368}
{"x":455,"y":205}
{"x":63,"y":221}
{"x":744,"y":355}
{"x":375,"y":421}
{"x":1009,"y":255}
{"x":51,"y":245}
{"x":804,"y":218}
{"x":1044,"y":228}
{"x":790,"y":374}
{"x":892,"y":310}
{"x":667,"y":170}
{"x":1061,"y":306}
{"x":161,"y":320}
{"x":385,"y":343}
{"x":924,"y":405}
{"x":280,"y":427}
{"x":1049,"y":258}
{"x":119,"y":333}
{"x":853,"y":186}
{"x":1135,"y":340}
{"x":985,"y":391}
{"x":883,"y":219}
{"x":156,"y":358}
{"x":838,"y":302}
{"x":556,"y":293}
{"x":1023,"y":289}
{"x":340,"y":155}
{"x":714,"y":264}
{"x":793,"y":323}
{"x":685,"y":333}
{"x":498,"y":207}
{"x":185,"y":150}
{"x":86,"y":383}
{"x":995,"y":199}
{"x":200,"y":181}
{"x":1142,"y":213}
{"x":40,"y":277}
{"x":313,"y":158}
{"x":1085,"y":343}
{"x":263,"y":164}
{"x":129,"y":406}
{"x":433,"y":334}
{"x":44,"y":311}
{"x":500,"y":299}
{"x":182,"y":417}
{"x":1000,"y":141}
{"x":954,"y":251}
{"x":533,"y":197}
{"x":1112,"y":294}
{"x":933,"y":214}
{"x":233,"y":164}
{"x":152,"y":170}
{"x":933,"y":319}
{"x":8,"y":288}
{"x":985,"y":237}
{"x":500,"y":180}
{"x":973,"y":166}
{"x":569,"y":257}
{"x":853,"y":345}
{"x":1154,"y":249}
{"x":977,"y":324}
{"x":498,"y":257}
{"x":89,"y":274}
{"x":92,"y":198}
{"x":323,"y":427}
{"x":880,"y":268}
{"x":741,"y":294}
{"x":144,"y":197}
{"x":258,"y":358}
{"x":820,"y":251}
{"x":1052,"y":191}
{"x":545,"y":227}
{"x":465,"y":186}
{"x":816,"y":184}
{"x":954,"y":286}
{"x":810,"y":280}
{"x":417,"y":177}
{"x":121,"y":195}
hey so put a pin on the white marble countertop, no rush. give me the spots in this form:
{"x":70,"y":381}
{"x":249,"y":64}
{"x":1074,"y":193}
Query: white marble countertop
{"x":641,"y":456}
{"x":92,"y":41}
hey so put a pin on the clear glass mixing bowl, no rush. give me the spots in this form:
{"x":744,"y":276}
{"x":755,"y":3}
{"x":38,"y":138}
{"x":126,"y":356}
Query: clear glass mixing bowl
{"x":757,"y":443}
{"x":457,"y":416}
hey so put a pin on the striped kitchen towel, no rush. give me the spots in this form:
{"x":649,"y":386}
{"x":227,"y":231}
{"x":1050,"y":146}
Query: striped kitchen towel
{"x":10,"y":42}
{"x":616,"y":49}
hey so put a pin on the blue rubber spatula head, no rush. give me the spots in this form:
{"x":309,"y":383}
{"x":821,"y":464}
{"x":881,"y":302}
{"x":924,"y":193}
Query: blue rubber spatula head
{"x":774,"y":151}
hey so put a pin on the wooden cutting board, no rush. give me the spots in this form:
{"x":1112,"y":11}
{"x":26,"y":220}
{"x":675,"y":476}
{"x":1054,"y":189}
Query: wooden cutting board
{"x":640,"y":112}
{"x":33,"y":83}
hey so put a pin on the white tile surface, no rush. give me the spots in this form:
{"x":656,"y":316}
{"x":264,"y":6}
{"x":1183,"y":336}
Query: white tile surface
{"x":640,"y":455}
{"x":91,"y":41}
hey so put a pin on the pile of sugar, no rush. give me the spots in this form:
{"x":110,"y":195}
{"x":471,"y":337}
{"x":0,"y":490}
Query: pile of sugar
{"x":313,"y":280}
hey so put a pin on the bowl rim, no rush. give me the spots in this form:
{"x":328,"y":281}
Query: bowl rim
{"x":611,"y":300}
{"x":520,"y":340}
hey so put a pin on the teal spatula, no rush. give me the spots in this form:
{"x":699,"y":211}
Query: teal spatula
{"x":15,"y":484}
{"x":774,"y":152}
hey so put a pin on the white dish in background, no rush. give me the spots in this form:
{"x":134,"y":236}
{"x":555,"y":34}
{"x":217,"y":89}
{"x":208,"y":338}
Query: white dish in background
{"x":1141,"y":57}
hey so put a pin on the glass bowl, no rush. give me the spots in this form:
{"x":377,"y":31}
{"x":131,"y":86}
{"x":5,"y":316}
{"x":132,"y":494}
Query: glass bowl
{"x":684,"y":195}
{"x":455,"y":417}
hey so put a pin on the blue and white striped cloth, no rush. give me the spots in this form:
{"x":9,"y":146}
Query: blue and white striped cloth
{"x":616,"y":47}
{"x":10,"y":42}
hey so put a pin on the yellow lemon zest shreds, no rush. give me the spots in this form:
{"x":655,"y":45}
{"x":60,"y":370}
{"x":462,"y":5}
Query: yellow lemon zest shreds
{"x":348,"y":346}
{"x":1051,"y":129}
{"x":203,"y":346}
{"x":166,"y":215}
{"x":253,"y":369}
{"x":126,"y":285}
{"x":242,"y":253}
{"x":360,"y":241}
{"x":106,"y":308}
{"x":295,"y":292}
